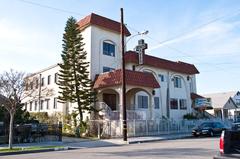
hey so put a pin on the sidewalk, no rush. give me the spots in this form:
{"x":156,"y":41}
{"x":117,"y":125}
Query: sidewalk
{"x":87,"y":143}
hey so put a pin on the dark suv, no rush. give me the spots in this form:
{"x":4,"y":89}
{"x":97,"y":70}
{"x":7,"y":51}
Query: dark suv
{"x":209,"y":129}
{"x":229,"y":145}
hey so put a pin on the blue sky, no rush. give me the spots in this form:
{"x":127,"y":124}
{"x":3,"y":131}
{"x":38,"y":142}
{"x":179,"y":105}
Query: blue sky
{"x":202,"y":32}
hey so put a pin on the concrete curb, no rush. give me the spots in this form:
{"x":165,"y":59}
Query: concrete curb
{"x":36,"y":151}
{"x":159,"y":139}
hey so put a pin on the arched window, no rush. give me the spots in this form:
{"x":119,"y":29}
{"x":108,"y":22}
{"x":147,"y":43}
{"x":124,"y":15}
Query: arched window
{"x":177,"y":82}
{"x":109,"y":48}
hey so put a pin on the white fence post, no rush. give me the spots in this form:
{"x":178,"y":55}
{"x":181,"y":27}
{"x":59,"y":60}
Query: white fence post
{"x":146,"y":127}
{"x":134,"y":128}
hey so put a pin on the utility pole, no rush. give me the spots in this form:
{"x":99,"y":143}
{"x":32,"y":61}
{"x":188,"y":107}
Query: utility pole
{"x":123,"y":81}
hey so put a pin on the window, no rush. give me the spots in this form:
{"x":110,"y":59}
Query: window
{"x":177,"y":82}
{"x":238,"y":101}
{"x":56,"y":77}
{"x":42,"y":82}
{"x":35,"y":107}
{"x":47,"y":103}
{"x":30,"y":109}
{"x":49,"y":79}
{"x":183,"y":103}
{"x":206,"y":125}
{"x":218,"y":125}
{"x":41,"y":105}
{"x":133,"y":67}
{"x":55,"y":103}
{"x":161,"y":77}
{"x":36,"y":84}
{"x":156,"y":102}
{"x":107,"y":69}
{"x":142,"y":102}
{"x":108,"y":49}
{"x":31,"y":85}
{"x":25,"y":106}
{"x":174,"y":103}
{"x":26,"y":86}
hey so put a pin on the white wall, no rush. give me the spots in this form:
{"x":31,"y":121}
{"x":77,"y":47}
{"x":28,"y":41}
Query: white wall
{"x":98,"y":59}
{"x":48,"y":91}
{"x":178,"y":93}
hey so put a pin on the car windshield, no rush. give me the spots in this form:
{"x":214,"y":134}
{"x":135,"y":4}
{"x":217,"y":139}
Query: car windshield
{"x":203,"y":125}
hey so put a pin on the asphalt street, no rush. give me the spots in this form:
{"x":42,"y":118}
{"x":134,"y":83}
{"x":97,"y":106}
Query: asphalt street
{"x":193,"y":148}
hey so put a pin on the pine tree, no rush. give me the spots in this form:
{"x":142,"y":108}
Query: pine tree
{"x":74,"y":82}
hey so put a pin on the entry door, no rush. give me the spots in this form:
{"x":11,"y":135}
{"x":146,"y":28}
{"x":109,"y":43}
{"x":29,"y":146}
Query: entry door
{"x":110,"y":100}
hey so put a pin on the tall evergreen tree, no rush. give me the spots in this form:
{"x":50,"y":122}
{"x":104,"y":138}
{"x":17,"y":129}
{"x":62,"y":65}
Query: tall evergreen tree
{"x":74,"y":82}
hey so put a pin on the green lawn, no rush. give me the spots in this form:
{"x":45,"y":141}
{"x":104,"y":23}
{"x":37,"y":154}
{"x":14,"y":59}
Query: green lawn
{"x":16,"y":149}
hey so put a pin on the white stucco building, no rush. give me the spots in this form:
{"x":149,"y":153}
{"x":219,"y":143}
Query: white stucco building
{"x":155,"y":87}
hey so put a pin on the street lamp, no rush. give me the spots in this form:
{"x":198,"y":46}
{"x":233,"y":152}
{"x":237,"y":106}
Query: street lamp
{"x":123,"y":74}
{"x":144,"y":32}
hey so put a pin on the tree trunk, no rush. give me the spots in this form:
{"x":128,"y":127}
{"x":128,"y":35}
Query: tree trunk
{"x":11,"y":130}
{"x":80,"y":115}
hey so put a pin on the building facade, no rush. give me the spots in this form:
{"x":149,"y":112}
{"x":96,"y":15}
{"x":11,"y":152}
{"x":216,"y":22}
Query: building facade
{"x":226,"y":105}
{"x":155,"y":88}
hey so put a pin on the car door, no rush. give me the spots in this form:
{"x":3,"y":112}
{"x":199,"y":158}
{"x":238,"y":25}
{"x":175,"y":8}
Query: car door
{"x":218,"y":127}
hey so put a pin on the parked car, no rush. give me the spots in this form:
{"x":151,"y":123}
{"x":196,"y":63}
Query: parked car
{"x":236,"y":126}
{"x":209,"y":129}
{"x":229,"y":146}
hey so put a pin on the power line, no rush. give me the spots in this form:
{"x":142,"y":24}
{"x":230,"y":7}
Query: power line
{"x":211,"y":55}
{"x":199,"y":27}
{"x":50,"y":7}
{"x":179,"y":51}
{"x":159,"y":42}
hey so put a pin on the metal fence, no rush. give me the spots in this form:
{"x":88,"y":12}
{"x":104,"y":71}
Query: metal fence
{"x":113,"y":128}
{"x":27,"y":133}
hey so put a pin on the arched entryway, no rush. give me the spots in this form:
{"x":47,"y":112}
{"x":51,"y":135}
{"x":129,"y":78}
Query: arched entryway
{"x":110,"y":97}
{"x":139,"y":101}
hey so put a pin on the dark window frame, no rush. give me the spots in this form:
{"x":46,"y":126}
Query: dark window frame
{"x":177,"y":82}
{"x":35,"y":106}
{"x":183,"y":104}
{"x":142,"y":102}
{"x":41,"y":104}
{"x":30,"y":106}
{"x":42,"y":81}
{"x":173,"y":103}
{"x":49,"y":79}
{"x":55,"y":103}
{"x":107,"y":69}
{"x":55,"y":77}
{"x":109,"y":49}
{"x":47,"y":103}
{"x":161,"y":76}
{"x":156,"y":102}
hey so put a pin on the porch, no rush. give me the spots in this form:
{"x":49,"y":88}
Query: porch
{"x":109,"y":95}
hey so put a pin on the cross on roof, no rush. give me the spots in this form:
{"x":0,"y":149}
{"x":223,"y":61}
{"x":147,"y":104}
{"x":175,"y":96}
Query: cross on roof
{"x":140,"y":48}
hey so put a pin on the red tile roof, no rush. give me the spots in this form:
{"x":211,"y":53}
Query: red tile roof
{"x":182,"y":67}
{"x":94,"y":19}
{"x":195,"y":96}
{"x":135,"y":78}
